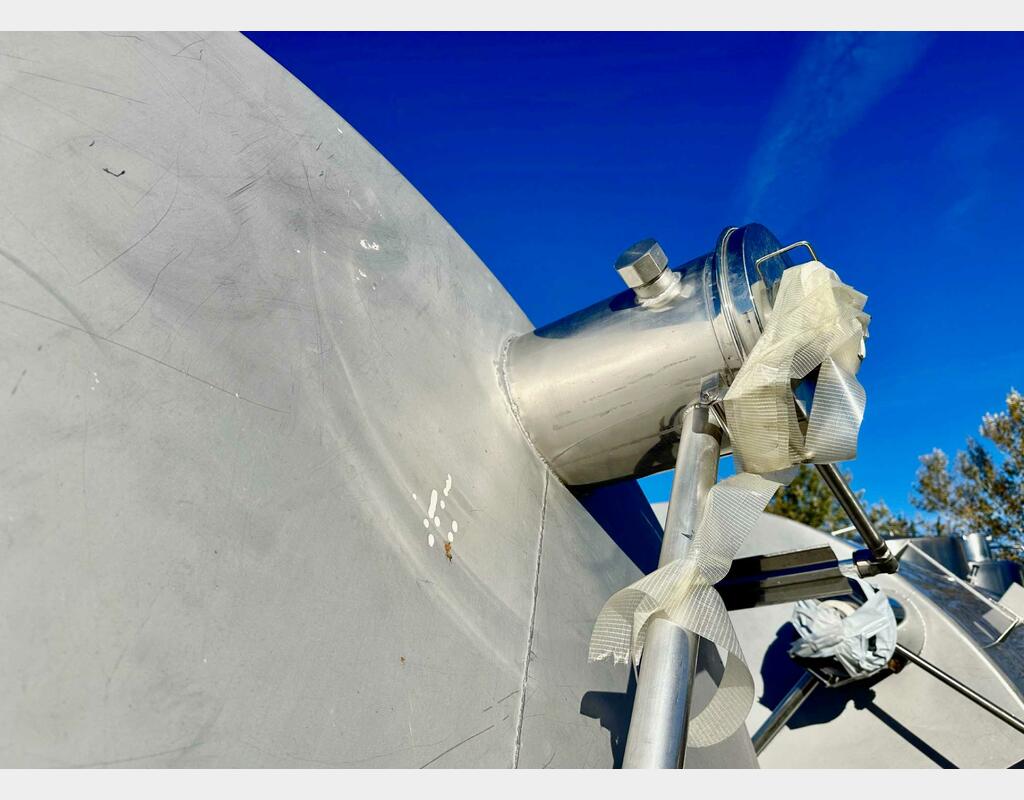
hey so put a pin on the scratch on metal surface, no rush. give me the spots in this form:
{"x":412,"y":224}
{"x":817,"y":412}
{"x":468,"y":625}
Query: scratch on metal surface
{"x":241,"y":189}
{"x":154,"y":359}
{"x":500,"y":700}
{"x":17,"y":383}
{"x":82,"y":86}
{"x":186,"y":47}
{"x":446,"y":752}
{"x":129,"y":759}
{"x":138,"y":241}
{"x":152,"y":288}
{"x":533,"y":621}
{"x":51,"y":290}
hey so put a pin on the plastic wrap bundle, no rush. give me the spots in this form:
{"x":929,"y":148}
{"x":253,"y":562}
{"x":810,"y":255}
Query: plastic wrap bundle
{"x":684,"y":592}
{"x":862,"y":641}
{"x":816,"y":321}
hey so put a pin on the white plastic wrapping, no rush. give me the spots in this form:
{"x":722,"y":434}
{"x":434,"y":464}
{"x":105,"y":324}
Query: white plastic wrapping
{"x":862,"y":641}
{"x":683,"y":591}
{"x":816,"y":321}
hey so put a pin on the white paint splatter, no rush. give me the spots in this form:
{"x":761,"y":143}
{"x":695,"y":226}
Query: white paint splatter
{"x":436,"y":505}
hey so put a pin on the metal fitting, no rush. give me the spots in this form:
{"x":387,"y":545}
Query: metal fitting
{"x":644,"y":269}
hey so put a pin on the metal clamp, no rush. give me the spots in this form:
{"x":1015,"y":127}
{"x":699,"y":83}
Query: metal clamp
{"x":712,"y":389}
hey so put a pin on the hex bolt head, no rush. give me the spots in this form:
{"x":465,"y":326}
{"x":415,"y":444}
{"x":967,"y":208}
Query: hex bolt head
{"x":642,"y":263}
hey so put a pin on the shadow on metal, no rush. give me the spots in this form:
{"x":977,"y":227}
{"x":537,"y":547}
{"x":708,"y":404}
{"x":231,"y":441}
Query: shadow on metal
{"x":922,"y":746}
{"x":780,"y":673}
{"x":613,"y":710}
{"x":626,"y":516}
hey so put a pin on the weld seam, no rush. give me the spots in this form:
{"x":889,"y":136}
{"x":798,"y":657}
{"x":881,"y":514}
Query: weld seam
{"x":533,"y":622}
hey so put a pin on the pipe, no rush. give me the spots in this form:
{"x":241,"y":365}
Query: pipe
{"x":598,"y":391}
{"x":661,"y":709}
{"x":881,"y":555}
{"x":784,"y":711}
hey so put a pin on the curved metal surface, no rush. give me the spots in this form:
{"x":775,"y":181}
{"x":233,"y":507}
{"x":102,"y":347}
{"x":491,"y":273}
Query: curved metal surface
{"x":908,"y":719}
{"x":600,"y":391}
{"x":264,"y":503}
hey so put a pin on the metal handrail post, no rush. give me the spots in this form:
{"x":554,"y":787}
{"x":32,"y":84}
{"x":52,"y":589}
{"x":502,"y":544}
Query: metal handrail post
{"x":661,"y":708}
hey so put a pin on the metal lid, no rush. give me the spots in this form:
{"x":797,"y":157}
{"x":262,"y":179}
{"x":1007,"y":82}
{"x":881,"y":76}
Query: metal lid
{"x":748,"y":280}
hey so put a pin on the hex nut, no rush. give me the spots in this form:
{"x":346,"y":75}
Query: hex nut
{"x":642,"y":263}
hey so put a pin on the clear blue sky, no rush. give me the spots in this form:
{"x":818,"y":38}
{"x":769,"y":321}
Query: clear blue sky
{"x":900,"y":156}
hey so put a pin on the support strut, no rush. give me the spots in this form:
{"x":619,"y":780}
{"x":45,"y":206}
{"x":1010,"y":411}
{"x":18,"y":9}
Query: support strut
{"x":661,"y":709}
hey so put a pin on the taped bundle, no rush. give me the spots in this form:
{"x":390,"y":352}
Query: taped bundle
{"x":816,"y":322}
{"x":862,"y":641}
{"x":684,"y":592}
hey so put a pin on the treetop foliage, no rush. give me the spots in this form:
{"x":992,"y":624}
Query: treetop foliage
{"x":981,"y":491}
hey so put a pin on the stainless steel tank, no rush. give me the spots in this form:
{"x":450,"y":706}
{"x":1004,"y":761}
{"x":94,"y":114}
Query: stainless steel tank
{"x":995,"y":577}
{"x":947,"y":550}
{"x":599,"y":392}
{"x":976,"y":549}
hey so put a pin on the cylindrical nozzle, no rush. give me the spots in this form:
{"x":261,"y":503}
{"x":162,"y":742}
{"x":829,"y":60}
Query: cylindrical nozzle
{"x":600,"y":392}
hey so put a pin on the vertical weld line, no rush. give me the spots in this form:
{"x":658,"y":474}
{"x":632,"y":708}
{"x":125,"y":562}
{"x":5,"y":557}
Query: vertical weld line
{"x":533,"y":621}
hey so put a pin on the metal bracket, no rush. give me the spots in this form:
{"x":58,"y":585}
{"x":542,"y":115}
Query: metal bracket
{"x":783,"y":578}
{"x":712,"y":389}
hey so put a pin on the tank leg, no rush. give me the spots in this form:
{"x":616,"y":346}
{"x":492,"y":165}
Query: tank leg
{"x":661,"y":709}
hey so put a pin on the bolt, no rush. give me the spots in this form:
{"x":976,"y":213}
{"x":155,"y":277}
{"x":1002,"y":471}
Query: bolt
{"x":642,"y":264}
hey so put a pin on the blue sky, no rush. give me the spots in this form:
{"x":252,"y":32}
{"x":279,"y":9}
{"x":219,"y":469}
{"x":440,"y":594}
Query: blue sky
{"x":899,"y":156}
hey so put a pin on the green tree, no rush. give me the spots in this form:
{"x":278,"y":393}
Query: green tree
{"x":983,"y":490}
{"x":893,"y":524}
{"x":808,"y":500}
